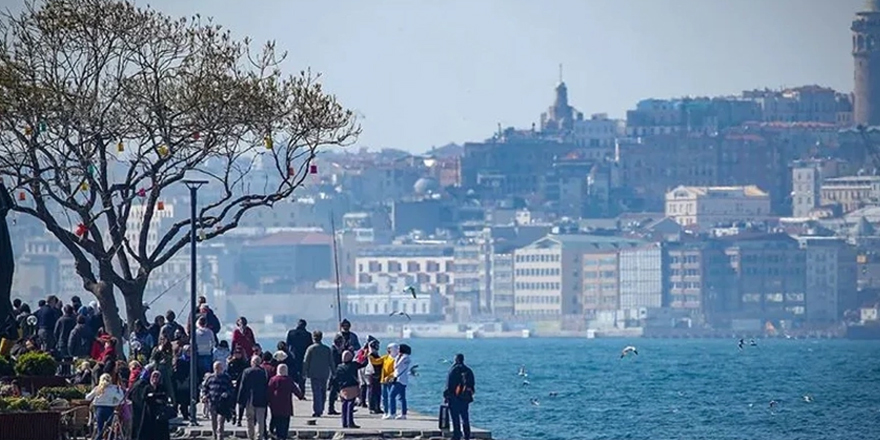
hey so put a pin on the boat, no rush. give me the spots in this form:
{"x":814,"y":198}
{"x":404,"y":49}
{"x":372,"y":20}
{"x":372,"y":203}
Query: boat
{"x":470,"y":334}
{"x":526,"y":333}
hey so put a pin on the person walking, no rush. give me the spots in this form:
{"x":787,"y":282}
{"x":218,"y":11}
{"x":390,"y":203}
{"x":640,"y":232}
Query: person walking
{"x":254,"y":390}
{"x":204,"y":348}
{"x":317,"y":367}
{"x":281,"y":391}
{"x":336,"y":350}
{"x":298,"y":341}
{"x":243,"y":337}
{"x":218,"y":394}
{"x":350,"y":338}
{"x":459,"y":394}
{"x":62,"y":330}
{"x":105,"y":397}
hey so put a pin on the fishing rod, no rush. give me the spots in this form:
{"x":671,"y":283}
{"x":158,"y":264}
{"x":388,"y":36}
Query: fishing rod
{"x":336,"y":266}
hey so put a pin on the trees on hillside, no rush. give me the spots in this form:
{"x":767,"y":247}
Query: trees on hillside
{"x":104,"y":106}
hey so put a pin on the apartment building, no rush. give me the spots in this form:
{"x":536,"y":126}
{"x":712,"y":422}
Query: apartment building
{"x":641,"y":279}
{"x":851,"y":192}
{"x":549,"y":273}
{"x":705,"y":206}
{"x":426,"y":266}
{"x":831,"y":278}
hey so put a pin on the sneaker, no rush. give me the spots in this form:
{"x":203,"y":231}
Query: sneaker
{"x":386,"y":416}
{"x":401,"y":417}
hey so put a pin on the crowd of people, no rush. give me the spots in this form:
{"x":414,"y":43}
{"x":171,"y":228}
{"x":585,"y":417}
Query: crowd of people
{"x":240,"y":383}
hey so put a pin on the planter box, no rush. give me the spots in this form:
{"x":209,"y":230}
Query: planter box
{"x":30,"y":426}
{"x":32,"y":384}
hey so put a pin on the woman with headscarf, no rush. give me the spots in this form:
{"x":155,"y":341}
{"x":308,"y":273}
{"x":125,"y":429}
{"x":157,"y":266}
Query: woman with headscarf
{"x":156,"y":410}
{"x":346,"y":379}
{"x":104,"y":397}
{"x":281,"y":391}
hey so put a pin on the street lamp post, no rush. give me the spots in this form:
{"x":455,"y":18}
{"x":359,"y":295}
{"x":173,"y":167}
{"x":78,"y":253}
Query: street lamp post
{"x":193,"y":186}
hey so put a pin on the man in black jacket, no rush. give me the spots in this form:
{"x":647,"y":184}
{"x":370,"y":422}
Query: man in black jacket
{"x":459,"y":394}
{"x":47,"y":316}
{"x":79,"y":343}
{"x":298,"y":341}
{"x":254,"y":393}
{"x":63,"y":327}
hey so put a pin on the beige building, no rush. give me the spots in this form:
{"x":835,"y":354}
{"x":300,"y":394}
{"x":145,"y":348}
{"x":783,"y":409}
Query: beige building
{"x":851,"y":192}
{"x":704,"y":207}
{"x":549,"y":274}
{"x":601,"y":275}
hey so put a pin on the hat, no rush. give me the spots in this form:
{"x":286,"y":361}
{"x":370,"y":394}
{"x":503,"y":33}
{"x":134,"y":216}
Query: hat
{"x":280,"y":356}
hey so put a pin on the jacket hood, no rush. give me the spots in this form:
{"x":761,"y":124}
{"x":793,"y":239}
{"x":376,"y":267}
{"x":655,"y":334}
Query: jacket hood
{"x":394,"y":349}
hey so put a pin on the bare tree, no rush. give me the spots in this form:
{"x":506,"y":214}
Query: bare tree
{"x":104,"y":106}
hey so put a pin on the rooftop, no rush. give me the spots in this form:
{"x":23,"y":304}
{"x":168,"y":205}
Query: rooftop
{"x":408,"y":250}
{"x":584,"y":242}
{"x":293,"y":238}
{"x":747,"y":191}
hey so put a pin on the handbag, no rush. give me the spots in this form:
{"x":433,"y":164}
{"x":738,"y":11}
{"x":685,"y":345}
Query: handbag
{"x":443,"y":417}
{"x":349,"y":393}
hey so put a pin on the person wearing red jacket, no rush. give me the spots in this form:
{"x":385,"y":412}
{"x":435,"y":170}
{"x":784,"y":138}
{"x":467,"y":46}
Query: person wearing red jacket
{"x":243,"y":337}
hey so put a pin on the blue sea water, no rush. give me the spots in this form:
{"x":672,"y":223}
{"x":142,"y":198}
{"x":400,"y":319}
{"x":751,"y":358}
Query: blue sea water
{"x":674,"y":389}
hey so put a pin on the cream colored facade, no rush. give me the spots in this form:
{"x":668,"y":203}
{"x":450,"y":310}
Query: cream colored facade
{"x":428,"y":268}
{"x":851,"y":192}
{"x":538,"y":281}
{"x":705,"y":207}
{"x":601,"y":275}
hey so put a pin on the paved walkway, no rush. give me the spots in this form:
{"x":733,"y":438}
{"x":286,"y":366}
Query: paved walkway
{"x":303,"y":426}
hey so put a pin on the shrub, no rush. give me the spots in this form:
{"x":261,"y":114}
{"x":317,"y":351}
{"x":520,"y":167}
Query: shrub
{"x":23,"y":404}
{"x":36,"y":364}
{"x":6,"y":367}
{"x":66,"y":393}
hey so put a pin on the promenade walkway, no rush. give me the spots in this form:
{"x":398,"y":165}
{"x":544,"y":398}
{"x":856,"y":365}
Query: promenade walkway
{"x":303,"y":426}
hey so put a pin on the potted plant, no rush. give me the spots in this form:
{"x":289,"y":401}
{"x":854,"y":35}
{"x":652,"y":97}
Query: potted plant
{"x":37,"y":370}
{"x":28,"y":415}
{"x":72,"y":393}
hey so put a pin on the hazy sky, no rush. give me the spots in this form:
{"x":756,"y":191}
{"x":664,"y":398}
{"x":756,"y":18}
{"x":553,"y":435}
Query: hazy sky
{"x":426,"y":73}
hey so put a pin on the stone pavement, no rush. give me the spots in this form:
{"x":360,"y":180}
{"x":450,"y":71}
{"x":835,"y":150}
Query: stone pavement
{"x":303,"y":426}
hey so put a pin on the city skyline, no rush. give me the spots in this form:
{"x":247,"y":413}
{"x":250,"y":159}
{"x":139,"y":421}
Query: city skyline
{"x":417,"y":82}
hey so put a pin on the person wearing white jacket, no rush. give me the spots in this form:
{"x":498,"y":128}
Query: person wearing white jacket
{"x":402,"y":365}
{"x":105,"y":398}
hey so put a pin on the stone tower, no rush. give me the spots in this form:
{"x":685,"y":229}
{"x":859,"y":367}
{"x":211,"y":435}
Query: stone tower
{"x":866,"y":54}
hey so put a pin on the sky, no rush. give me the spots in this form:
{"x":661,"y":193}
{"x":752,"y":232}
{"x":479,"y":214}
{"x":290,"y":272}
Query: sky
{"x":429,"y":72}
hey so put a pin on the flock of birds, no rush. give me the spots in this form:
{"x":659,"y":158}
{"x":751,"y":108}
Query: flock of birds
{"x":631,"y":350}
{"x":412,"y":291}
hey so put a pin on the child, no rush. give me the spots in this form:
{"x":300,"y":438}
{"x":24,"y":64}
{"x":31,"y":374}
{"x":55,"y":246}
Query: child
{"x":221,"y":353}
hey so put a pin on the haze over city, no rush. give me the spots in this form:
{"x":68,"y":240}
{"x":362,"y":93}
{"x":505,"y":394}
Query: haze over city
{"x":425,"y":74}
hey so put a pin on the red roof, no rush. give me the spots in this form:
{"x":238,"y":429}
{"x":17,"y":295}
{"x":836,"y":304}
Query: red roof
{"x":293,"y":238}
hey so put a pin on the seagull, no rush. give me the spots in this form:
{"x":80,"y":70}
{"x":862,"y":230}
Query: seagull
{"x":553,"y":394}
{"x":401,"y":314}
{"x":753,"y":343}
{"x":627,"y":350}
{"x":444,"y":361}
{"x":808,"y":398}
{"x":414,"y":370}
{"x":535,"y":402}
{"x":411,"y":290}
{"x":522,"y":372}
{"x":773,"y":404}
{"x":741,"y":343}
{"x":526,"y":383}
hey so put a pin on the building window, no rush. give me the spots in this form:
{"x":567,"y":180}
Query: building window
{"x":449,"y":266}
{"x":413,"y":266}
{"x":375,"y":266}
{"x":394,"y":267}
{"x":432,"y":266}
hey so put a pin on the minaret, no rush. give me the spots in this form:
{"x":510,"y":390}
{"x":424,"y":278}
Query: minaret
{"x":866,"y":54}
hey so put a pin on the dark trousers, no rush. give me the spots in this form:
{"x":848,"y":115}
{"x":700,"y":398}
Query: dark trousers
{"x":103,"y":418}
{"x":334,"y":396}
{"x":363,"y":396}
{"x":461,"y":419}
{"x":279,"y":426}
{"x":375,"y":394}
{"x":319,"y":395}
{"x":348,"y":413}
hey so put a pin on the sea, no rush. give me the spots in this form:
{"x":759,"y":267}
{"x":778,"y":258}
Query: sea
{"x":688,"y":389}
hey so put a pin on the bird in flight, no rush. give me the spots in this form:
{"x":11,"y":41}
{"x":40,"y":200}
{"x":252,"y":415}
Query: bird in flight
{"x":627,"y":350}
{"x":522,"y":371}
{"x":411,"y":290}
{"x":535,"y":402}
{"x":401,"y":314}
{"x":741,"y":343}
{"x":414,"y":370}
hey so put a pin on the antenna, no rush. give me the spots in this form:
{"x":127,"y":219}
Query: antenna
{"x":560,"y":72}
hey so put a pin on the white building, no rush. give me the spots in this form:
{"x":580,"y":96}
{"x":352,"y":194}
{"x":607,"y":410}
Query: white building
{"x":598,"y":131}
{"x":806,"y":188}
{"x":379,"y":305}
{"x":427,"y":267}
{"x":641,"y":277}
{"x":831,"y":278}
{"x":705,"y":207}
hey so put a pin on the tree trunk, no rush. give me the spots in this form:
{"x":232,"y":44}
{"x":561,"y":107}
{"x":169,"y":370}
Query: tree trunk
{"x":103,"y":291}
{"x":134,"y":307}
